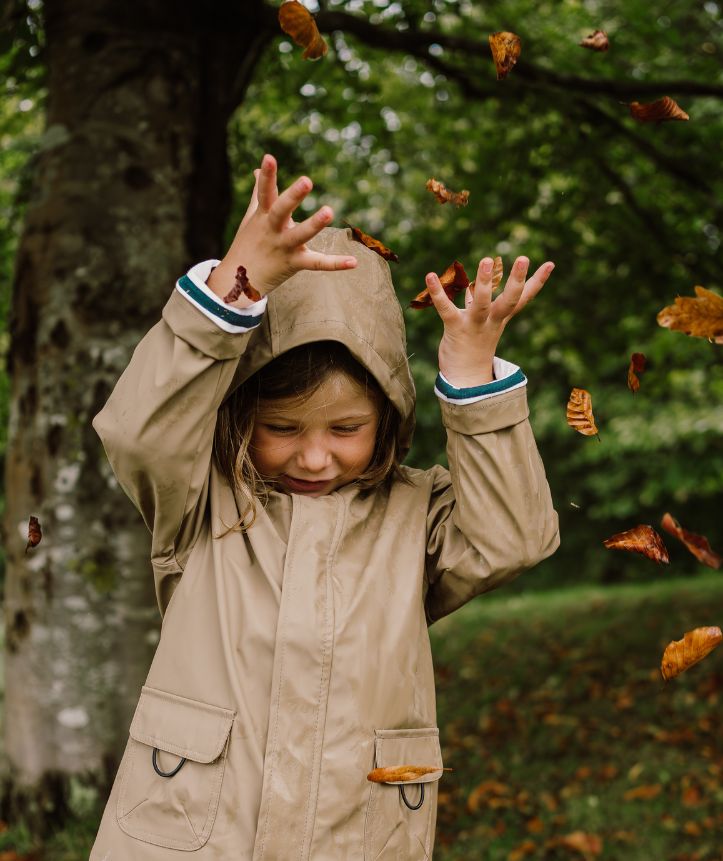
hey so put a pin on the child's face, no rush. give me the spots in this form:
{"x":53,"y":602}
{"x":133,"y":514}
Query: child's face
{"x":317,"y":445}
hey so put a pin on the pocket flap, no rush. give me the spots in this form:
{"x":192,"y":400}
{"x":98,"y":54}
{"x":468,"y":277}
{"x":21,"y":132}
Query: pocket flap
{"x":187,"y":728}
{"x":395,"y":747}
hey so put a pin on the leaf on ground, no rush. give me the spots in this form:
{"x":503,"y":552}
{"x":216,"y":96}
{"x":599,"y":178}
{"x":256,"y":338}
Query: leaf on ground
{"x":296,"y":20}
{"x":644,"y":792}
{"x":658,"y":111}
{"x":453,"y":280}
{"x":35,"y":533}
{"x":579,"y":412}
{"x":596,"y":41}
{"x":444,"y":195}
{"x":506,"y":48}
{"x":526,"y":849}
{"x":700,"y":316}
{"x":370,"y":242}
{"x":587,"y":845}
{"x":641,"y":539}
{"x":486,"y":791}
{"x":680,"y":655}
{"x":697,"y":544}
{"x":637,"y":366}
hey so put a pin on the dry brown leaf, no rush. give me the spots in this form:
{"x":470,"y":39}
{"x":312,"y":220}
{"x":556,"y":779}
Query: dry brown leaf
{"x":34,"y":533}
{"x":401,"y":773}
{"x":444,"y":195}
{"x":658,"y":111}
{"x":643,"y":793}
{"x":296,"y":20}
{"x":700,"y":316}
{"x":579,"y":412}
{"x":641,"y":539}
{"x":453,"y":280}
{"x":372,"y":243}
{"x":506,"y":49}
{"x":679,"y":655}
{"x":588,"y":845}
{"x":697,"y":544}
{"x":637,"y":366}
{"x":596,"y":41}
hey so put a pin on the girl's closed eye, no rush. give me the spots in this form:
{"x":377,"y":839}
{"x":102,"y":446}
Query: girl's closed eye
{"x":280,"y":429}
{"x":347,"y":429}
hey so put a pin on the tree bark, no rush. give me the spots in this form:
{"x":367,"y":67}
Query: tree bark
{"x":131,"y":185}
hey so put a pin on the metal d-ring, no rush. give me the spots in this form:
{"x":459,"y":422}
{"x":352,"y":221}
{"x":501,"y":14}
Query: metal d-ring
{"x":158,"y":771}
{"x":421,"y":797}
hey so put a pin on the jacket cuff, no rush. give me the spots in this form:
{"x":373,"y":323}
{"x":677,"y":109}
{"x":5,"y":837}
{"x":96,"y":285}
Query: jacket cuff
{"x":507,"y":376}
{"x":492,"y":414}
{"x":235,"y":320}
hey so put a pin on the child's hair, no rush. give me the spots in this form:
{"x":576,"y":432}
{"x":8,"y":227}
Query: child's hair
{"x":298,"y":373}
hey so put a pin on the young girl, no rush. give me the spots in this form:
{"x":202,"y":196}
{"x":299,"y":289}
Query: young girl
{"x":297,"y":563}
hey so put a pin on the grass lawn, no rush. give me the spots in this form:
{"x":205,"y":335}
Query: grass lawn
{"x":556,"y":722}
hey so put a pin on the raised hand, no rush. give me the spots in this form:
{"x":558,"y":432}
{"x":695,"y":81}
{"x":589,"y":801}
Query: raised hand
{"x":471,"y":334}
{"x":269,"y":244}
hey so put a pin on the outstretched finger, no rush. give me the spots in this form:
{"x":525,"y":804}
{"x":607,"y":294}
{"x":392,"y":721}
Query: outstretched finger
{"x":298,"y":234}
{"x":446,"y":308}
{"x":505,"y":304}
{"x":535,"y":284}
{"x":254,"y":202}
{"x":324,"y":262}
{"x":267,"y":191}
{"x":288,"y":200}
{"x":480,"y":296}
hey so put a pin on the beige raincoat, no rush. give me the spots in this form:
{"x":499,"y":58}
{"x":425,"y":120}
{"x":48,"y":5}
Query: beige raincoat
{"x":294,"y":658}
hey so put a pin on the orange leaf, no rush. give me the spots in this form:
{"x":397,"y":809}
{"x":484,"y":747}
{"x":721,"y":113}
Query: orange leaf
{"x":697,"y":544}
{"x":34,"y":533}
{"x":454,"y":280}
{"x":701,"y":316}
{"x":641,"y":539}
{"x":401,"y":773}
{"x":372,"y":243}
{"x":299,"y":23}
{"x":587,"y":845}
{"x":679,"y":655}
{"x":643,"y":793}
{"x":506,"y":49}
{"x":637,"y":366}
{"x":444,"y":195}
{"x":596,"y":41}
{"x":579,"y":412}
{"x":655,"y":112}
{"x":242,"y":285}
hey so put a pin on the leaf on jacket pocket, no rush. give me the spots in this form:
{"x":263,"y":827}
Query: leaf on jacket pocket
{"x":395,"y":773}
{"x":697,"y":544}
{"x":697,"y":644}
{"x":579,"y":413}
{"x":641,"y":539}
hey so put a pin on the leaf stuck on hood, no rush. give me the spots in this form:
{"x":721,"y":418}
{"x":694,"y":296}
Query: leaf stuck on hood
{"x":697,"y":544}
{"x":641,"y":539}
{"x":453,"y":280}
{"x":637,"y":366}
{"x":370,"y":242}
{"x":506,"y":48}
{"x":444,"y":195}
{"x":596,"y":41}
{"x":700,"y":316}
{"x":658,"y":111}
{"x":679,"y":655}
{"x":296,"y":20}
{"x":579,"y":413}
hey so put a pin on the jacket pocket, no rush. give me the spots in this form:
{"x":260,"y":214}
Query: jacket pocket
{"x":171,"y":774}
{"x":394,"y":828}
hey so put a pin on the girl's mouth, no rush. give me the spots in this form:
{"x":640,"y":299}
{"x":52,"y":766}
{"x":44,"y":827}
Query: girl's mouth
{"x":298,"y":485}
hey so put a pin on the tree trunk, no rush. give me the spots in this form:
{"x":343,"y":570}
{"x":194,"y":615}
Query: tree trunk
{"x":131,"y":185}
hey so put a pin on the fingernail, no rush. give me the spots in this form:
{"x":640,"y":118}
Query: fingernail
{"x":550,"y":267}
{"x":305,"y":183}
{"x":522,"y":263}
{"x":487,"y":265}
{"x":350,"y":262}
{"x":325,"y":214}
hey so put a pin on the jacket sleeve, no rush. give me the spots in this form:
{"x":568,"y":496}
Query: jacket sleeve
{"x":157,"y":428}
{"x":491,"y":516}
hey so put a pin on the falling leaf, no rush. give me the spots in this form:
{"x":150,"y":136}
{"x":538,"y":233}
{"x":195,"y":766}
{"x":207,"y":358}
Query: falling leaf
{"x":579,"y":412}
{"x":401,"y":773}
{"x":372,"y":243}
{"x":454,"y":280}
{"x":299,"y":23}
{"x":658,"y":111}
{"x":506,"y":49}
{"x":34,"y":533}
{"x":700,"y":316}
{"x":697,"y":544}
{"x":242,"y":285}
{"x":637,"y":366}
{"x":586,"y":844}
{"x":679,"y":655}
{"x":641,"y":539}
{"x":644,"y":792}
{"x":596,"y":41}
{"x":444,"y":195}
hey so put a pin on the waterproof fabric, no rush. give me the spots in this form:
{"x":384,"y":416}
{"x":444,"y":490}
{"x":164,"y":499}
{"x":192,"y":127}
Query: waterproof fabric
{"x":294,"y":658}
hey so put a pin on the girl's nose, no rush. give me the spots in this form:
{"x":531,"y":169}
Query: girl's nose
{"x":313,"y":456}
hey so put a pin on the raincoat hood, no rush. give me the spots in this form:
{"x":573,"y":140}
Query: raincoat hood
{"x":356,"y":307}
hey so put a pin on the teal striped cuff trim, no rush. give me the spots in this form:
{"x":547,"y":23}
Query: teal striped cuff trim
{"x":492,"y":388}
{"x":218,"y":310}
